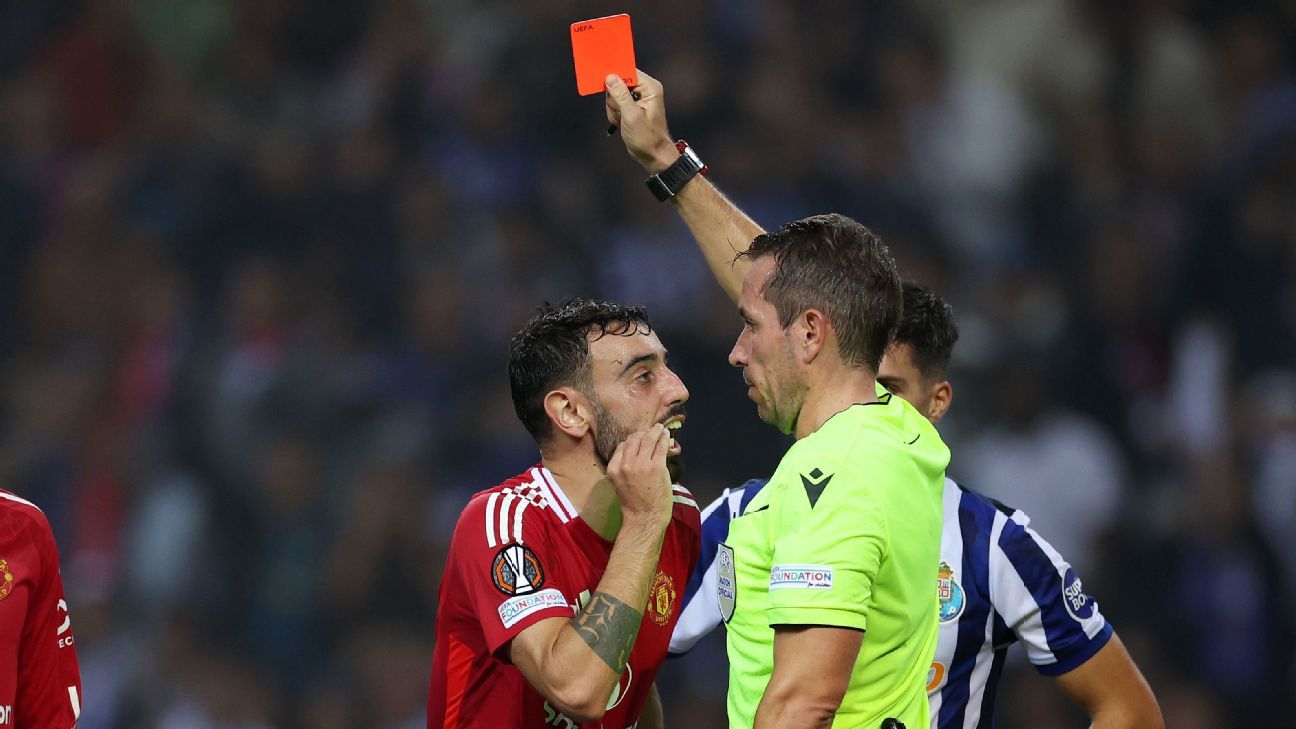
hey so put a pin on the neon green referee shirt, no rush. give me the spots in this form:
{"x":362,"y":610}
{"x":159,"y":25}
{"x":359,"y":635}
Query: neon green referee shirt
{"x":846,"y":533}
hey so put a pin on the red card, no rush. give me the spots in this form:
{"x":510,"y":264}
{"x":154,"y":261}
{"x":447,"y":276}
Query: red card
{"x":602,"y":46}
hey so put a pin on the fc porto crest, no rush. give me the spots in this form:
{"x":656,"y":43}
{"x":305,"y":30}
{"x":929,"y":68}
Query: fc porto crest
{"x":661,"y":599}
{"x":950,"y":593}
{"x":516,"y":571}
{"x":6,"y":579}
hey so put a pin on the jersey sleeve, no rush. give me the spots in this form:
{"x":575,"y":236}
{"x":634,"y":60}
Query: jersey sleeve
{"x":507,"y":568}
{"x":701,"y":613}
{"x":49,"y":679}
{"x":827,"y":552}
{"x":1041,"y":598}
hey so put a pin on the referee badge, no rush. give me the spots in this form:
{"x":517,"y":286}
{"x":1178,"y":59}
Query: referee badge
{"x":950,"y":593}
{"x":726,"y":582}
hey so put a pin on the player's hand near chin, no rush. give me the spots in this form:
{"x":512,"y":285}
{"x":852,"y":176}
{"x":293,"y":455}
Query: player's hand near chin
{"x":642,"y":122}
{"x":639,"y":475}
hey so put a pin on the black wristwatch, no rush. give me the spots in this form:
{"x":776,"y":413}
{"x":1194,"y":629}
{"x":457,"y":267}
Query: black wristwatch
{"x":667,"y":183}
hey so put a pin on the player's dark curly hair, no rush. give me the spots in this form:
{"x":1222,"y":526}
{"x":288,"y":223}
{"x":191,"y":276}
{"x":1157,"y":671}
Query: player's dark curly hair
{"x":928,"y":327}
{"x":834,"y":264}
{"x":552,"y":350}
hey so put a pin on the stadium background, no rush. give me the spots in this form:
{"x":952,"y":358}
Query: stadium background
{"x":260,"y":260}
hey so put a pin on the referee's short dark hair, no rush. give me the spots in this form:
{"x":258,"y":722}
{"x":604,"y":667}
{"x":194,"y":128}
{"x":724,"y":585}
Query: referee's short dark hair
{"x":928,"y":327}
{"x":552,"y":350}
{"x":834,"y":264}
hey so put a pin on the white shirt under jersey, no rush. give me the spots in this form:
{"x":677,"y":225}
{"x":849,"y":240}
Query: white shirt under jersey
{"x":998,"y":582}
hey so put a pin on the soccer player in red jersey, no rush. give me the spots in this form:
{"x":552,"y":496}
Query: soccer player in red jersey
{"x":562,"y":585}
{"x":40,"y":684}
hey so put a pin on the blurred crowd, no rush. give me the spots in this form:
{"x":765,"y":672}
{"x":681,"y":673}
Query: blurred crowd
{"x":260,"y":261}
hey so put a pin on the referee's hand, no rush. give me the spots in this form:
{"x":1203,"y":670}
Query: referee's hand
{"x":642,"y":121}
{"x":638,"y":474}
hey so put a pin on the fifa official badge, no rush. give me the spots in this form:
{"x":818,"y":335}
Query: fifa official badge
{"x":950,"y":593}
{"x":6,"y":584}
{"x":661,"y":598}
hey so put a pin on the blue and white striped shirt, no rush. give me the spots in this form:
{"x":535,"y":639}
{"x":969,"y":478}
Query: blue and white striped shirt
{"x":998,"y":581}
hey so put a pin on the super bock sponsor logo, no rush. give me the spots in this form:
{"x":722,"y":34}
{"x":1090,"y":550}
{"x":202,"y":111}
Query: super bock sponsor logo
{"x":801,"y":577}
{"x":1079,"y":604}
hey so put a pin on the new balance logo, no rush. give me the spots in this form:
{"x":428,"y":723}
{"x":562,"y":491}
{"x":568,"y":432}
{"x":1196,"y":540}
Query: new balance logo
{"x":815,"y":482}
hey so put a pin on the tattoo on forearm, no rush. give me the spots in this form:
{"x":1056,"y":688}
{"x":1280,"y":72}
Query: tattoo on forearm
{"x":608,"y":626}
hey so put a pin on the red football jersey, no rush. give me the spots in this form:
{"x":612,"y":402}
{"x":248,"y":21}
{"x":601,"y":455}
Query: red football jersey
{"x":40,"y":684}
{"x":521,"y":554}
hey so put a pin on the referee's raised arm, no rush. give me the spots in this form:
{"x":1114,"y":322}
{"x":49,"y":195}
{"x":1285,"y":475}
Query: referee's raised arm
{"x":723,"y":232}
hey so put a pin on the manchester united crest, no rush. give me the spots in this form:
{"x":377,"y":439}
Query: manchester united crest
{"x":661,"y":598}
{"x":6,"y":579}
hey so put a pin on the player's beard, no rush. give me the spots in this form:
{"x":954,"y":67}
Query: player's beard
{"x":608,"y":434}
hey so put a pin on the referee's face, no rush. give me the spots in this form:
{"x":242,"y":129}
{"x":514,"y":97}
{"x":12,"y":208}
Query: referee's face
{"x":765,"y":354}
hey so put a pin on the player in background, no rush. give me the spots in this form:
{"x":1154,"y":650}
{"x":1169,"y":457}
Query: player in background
{"x":562,"y":585}
{"x":40,"y":684}
{"x":998,"y":581}
{"x":825,"y":579}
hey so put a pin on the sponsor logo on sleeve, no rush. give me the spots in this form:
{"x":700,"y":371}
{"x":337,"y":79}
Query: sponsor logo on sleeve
{"x":516,"y":570}
{"x":950,"y":593}
{"x":515,"y":609}
{"x":6,"y":579}
{"x":726,"y":582}
{"x":1080,"y":605}
{"x":801,"y":577}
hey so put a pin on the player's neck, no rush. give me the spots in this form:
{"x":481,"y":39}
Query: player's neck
{"x":832,"y":392}
{"x":590,"y":492}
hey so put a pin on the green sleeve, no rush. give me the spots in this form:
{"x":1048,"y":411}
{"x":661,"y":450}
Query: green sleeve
{"x":826,"y":555}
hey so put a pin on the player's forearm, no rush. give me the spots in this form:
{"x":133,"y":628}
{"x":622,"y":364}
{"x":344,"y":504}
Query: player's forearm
{"x":1134,"y":707}
{"x":1146,"y":716}
{"x":1110,"y":688}
{"x":721,"y":230}
{"x":608,"y":624}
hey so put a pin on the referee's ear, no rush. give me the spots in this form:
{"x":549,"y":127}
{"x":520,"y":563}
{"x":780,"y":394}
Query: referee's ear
{"x":942,"y":394}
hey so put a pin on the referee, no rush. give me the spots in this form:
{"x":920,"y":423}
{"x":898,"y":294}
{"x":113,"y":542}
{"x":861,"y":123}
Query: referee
{"x":998,"y":581}
{"x":825,"y":581}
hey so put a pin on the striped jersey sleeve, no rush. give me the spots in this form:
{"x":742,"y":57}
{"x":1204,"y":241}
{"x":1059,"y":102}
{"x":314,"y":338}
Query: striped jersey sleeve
{"x":1042,"y":599}
{"x":701,"y":613}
